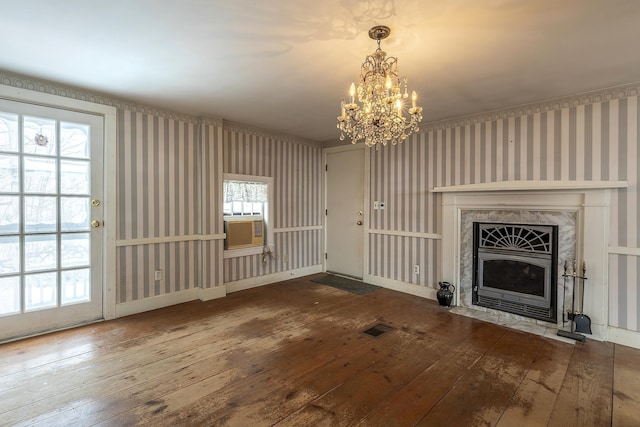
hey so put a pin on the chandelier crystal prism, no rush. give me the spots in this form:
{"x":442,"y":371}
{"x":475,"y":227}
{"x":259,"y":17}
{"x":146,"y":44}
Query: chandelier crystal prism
{"x":379,"y":116}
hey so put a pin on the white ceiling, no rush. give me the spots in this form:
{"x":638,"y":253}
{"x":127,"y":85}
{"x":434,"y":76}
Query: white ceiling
{"x":285,"y":65}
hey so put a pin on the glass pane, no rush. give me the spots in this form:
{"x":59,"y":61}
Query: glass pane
{"x":74,"y":177}
{"x":40,"y":290}
{"x":75,"y":250}
{"x":9,"y":214}
{"x":40,"y":252}
{"x":74,"y":213}
{"x":75,"y":286}
{"x":40,"y":175}
{"x":74,"y":140}
{"x":39,"y":213}
{"x":8,"y":132}
{"x":39,"y":136}
{"x":9,"y":180}
{"x":9,"y":295}
{"x":9,"y":255}
{"x":515,"y":276}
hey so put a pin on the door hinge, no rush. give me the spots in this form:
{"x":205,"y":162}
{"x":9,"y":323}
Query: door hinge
{"x":326,"y":168}
{"x":326,"y":212}
{"x":325,"y":255}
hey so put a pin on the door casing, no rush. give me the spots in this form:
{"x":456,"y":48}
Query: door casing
{"x":109,"y":113}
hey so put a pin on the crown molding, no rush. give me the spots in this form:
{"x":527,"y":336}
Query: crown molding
{"x":213,"y":121}
{"x":24,"y":82}
{"x":585,"y":98}
{"x":266,"y":133}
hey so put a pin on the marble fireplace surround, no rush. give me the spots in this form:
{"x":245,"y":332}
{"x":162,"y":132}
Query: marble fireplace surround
{"x":575,"y":206}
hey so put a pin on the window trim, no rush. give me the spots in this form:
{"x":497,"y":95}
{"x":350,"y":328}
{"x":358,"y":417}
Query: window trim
{"x":268,"y":215}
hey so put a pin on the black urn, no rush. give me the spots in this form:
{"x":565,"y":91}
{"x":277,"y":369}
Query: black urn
{"x":445,"y":294}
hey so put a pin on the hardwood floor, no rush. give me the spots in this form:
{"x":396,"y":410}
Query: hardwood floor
{"x":293,"y":353}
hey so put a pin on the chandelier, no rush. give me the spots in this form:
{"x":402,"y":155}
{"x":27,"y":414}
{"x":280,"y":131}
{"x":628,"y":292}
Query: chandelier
{"x":381,"y":92}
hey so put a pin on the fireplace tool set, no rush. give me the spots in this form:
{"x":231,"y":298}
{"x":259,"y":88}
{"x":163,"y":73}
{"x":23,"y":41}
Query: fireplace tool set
{"x":580,"y":323}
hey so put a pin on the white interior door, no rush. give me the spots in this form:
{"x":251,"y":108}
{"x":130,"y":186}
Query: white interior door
{"x":345,"y":212}
{"x":51,"y":211}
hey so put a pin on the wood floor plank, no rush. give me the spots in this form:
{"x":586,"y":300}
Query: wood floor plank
{"x":344,"y":373}
{"x":293,"y":353}
{"x":413,"y":401}
{"x":626,"y":387}
{"x":533,"y":402}
{"x":152,"y":357}
{"x":491,"y":383}
{"x":586,"y":395}
{"x":275,"y":369}
{"x":255,"y":389}
{"x":361,"y":393}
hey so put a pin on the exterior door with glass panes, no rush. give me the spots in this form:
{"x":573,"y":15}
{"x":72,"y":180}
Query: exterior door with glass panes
{"x":50,"y":218}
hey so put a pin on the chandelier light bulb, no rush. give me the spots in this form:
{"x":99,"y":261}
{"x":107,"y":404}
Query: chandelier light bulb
{"x":376,"y":114}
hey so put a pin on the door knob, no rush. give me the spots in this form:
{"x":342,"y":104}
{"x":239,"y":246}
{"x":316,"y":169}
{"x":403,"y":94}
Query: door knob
{"x":359,"y":222}
{"x":95,"y":223}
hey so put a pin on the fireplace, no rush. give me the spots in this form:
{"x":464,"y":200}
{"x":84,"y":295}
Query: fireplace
{"x":515,"y":268}
{"x":579,"y":208}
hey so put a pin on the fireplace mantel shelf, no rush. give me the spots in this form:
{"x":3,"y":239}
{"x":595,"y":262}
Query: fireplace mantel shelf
{"x":530,"y":186}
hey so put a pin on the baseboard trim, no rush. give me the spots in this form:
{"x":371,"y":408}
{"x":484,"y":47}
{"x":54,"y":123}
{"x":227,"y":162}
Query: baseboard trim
{"x":207,"y":294}
{"x":404,"y":287}
{"x":624,"y":337}
{"x":153,"y":303}
{"x":267,"y":279}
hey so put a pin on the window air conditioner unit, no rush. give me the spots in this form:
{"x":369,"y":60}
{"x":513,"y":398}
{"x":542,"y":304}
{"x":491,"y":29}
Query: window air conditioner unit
{"x":243,"y":233}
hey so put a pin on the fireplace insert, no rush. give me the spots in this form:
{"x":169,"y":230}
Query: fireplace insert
{"x":515,"y":268}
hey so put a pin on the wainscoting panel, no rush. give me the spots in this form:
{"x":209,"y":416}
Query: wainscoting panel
{"x":178,"y":261}
{"x":393,"y":257}
{"x":624,"y":299}
{"x":292,"y":250}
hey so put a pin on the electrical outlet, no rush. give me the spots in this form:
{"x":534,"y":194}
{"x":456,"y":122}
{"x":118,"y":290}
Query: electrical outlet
{"x":157,"y":275}
{"x":381,"y":205}
{"x":375,"y":205}
{"x":416,"y":269}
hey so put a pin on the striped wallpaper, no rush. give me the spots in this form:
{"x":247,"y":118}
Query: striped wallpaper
{"x":169,"y":188}
{"x":166,"y":160}
{"x":304,"y":249}
{"x":296,"y":167}
{"x":153,"y":201}
{"x":585,"y":140}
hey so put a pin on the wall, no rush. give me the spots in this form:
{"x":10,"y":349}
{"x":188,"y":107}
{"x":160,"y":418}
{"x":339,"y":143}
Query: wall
{"x":170,"y":202}
{"x":158,"y":183}
{"x":295,"y":165}
{"x":592,"y":136}
{"x":169,"y":169}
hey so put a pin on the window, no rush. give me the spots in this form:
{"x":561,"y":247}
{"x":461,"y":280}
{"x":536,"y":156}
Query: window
{"x":246,"y":198}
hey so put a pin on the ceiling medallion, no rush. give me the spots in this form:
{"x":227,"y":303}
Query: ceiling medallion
{"x":379,"y":116}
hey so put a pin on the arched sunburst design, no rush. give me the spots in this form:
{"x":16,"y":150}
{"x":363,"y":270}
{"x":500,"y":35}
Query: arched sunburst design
{"x":515,"y":237}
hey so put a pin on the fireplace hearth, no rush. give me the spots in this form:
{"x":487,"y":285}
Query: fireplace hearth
{"x":515,"y":268}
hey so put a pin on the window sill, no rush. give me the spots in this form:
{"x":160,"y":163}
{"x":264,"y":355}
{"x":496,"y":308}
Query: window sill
{"x":235,"y":253}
